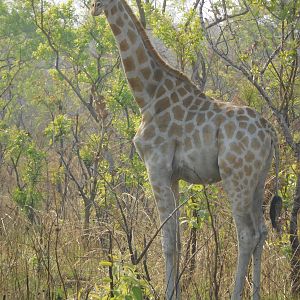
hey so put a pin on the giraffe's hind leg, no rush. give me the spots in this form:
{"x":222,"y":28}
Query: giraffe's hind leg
{"x":248,"y":238}
{"x":241,"y":189}
{"x":257,"y":206}
{"x":262,"y":231}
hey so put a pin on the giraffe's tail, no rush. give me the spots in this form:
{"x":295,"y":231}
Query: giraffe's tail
{"x":276,"y":203}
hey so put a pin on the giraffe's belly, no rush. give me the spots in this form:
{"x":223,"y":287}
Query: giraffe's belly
{"x":199,"y":166}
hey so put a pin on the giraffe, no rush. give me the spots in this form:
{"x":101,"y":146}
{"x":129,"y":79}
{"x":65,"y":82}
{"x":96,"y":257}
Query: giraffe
{"x":186,"y":135}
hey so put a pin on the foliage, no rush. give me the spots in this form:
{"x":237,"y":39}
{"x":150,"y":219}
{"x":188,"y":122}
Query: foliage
{"x":70,"y":180}
{"x":128,"y":283}
{"x":59,"y":128}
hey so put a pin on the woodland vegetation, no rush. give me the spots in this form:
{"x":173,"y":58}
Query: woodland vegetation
{"x":76,"y":208}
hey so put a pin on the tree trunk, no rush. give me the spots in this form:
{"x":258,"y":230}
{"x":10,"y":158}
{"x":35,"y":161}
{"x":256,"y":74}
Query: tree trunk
{"x":141,"y":12}
{"x":294,"y":239}
{"x":86,"y":226}
{"x":164,"y":6}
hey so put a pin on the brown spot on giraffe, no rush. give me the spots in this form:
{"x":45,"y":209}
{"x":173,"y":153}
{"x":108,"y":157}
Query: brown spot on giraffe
{"x":251,"y":112}
{"x":245,"y":141}
{"x":200,"y":118}
{"x":205,"y":106}
{"x":141,"y":55}
{"x":169,"y":84}
{"x":116,"y":30}
{"x":136,"y":84}
{"x":239,"y":134}
{"x":255,"y":144}
{"x":194,"y":107}
{"x":257,"y":164}
{"x":124,"y":46}
{"x":149,"y":132}
{"x":209,"y":114}
{"x":120,"y":22}
{"x":188,"y":101}
{"x":242,"y":118}
{"x":249,"y":157}
{"x":163,"y":121}
{"x":151,"y":89}
{"x":238,"y":163}
{"x":235,"y":148}
{"x":161,"y":91}
{"x":218,"y":119}
{"x":146,"y":72}
{"x":129,"y":64}
{"x":178,"y":112}
{"x":230,"y":113}
{"x":174,"y":97}
{"x":188,"y":87}
{"x":225,"y":168}
{"x":243,"y":125}
{"x":189,"y":127}
{"x":190,"y":116}
{"x":158,"y":75}
{"x":162,"y":105}
{"x":140,"y":101}
{"x":240,"y":111}
{"x":198,"y":101}
{"x":216,"y":108}
{"x":159,"y":140}
{"x":132,"y":36}
{"x":182,"y":91}
{"x":175,"y":130}
{"x":114,"y":10}
{"x":248,"y":170}
{"x":252,"y":128}
{"x":230,"y":129}
{"x":230,"y":158}
{"x":263,"y":122}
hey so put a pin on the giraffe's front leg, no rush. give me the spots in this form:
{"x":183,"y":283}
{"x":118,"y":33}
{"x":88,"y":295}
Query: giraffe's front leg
{"x":166,"y":194}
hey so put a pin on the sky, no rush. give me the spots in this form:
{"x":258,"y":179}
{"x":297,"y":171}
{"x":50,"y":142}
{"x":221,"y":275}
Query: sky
{"x":189,"y":2}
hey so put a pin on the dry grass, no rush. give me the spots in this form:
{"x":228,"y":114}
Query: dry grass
{"x":57,"y":259}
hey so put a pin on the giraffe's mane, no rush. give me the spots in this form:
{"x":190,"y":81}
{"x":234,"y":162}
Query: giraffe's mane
{"x":150,"y":47}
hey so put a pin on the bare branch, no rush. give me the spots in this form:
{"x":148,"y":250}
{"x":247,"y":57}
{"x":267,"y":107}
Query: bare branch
{"x":52,"y":45}
{"x":200,"y":80}
{"x":226,"y":17}
{"x":158,"y":230}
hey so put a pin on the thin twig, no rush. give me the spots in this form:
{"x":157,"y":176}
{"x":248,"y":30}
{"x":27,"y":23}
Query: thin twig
{"x":158,"y":230}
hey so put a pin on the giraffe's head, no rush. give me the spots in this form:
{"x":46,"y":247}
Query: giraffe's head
{"x":98,"y":6}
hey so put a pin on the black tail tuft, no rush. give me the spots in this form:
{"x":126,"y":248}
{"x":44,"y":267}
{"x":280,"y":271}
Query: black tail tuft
{"x":275,"y":210}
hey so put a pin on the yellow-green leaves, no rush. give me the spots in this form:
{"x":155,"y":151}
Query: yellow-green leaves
{"x":58,"y":128}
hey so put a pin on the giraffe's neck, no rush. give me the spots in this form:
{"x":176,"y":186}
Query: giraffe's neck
{"x":144,"y":69}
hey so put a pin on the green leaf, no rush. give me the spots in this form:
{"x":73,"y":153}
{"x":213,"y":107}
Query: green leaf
{"x":106,"y":263}
{"x":137,"y":293}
